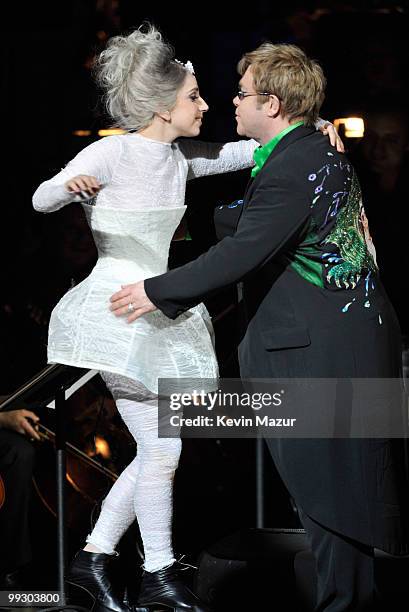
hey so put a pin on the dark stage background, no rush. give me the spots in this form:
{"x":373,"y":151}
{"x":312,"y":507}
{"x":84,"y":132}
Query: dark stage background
{"x":47,"y":50}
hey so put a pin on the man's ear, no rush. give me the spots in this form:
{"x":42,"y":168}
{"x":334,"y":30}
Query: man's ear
{"x":273,"y":106}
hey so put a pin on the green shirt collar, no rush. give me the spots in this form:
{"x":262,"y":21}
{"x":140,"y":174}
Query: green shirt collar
{"x":261,"y":154}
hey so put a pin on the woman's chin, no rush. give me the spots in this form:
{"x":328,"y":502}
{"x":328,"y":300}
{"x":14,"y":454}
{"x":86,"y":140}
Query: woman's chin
{"x":193,"y":130}
{"x":196,"y":130}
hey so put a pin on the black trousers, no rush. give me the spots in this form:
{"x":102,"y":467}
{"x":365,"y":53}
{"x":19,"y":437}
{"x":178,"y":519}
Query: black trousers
{"x":345,"y":570}
{"x":16,"y":467}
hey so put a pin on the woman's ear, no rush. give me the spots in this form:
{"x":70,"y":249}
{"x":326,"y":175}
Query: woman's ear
{"x":165,"y":115}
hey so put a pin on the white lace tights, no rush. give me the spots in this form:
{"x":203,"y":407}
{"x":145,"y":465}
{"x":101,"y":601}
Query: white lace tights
{"x":144,"y":490}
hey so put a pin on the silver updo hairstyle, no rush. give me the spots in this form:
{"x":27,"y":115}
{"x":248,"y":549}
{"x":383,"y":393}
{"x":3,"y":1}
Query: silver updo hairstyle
{"x":139,"y":77}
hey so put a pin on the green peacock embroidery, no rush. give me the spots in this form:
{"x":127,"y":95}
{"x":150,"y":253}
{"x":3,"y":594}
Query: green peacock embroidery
{"x":351,"y":236}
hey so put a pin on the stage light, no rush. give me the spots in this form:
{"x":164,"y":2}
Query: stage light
{"x":103,"y":132}
{"x":82,"y":133}
{"x":354,"y":127}
{"x":102,"y":447}
{"x":111,"y":131}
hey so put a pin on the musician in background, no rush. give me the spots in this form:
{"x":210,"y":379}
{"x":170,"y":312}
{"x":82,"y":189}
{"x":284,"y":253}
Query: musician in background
{"x":382,"y":161}
{"x":17,"y":431}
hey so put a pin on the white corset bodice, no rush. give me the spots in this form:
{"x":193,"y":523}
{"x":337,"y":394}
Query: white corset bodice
{"x":132,"y":244}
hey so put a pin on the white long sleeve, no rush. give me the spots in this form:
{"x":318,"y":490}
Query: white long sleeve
{"x":139,"y":173}
{"x":99,"y":159}
{"x":205,"y":158}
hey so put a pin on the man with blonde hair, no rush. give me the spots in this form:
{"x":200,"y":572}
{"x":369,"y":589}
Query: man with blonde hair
{"x":315,"y":309}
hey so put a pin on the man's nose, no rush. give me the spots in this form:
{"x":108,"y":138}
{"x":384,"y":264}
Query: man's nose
{"x":236,"y":100}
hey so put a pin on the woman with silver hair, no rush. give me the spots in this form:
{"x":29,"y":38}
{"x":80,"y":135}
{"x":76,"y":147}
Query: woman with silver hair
{"x":137,"y":184}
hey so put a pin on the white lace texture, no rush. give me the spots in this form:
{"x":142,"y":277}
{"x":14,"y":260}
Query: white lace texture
{"x":133,"y":219}
{"x":140,"y":173}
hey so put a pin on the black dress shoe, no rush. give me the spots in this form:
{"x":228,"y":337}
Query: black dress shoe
{"x":89,"y":571}
{"x":165,"y":588}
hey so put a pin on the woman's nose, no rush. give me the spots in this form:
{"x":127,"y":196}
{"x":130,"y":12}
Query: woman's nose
{"x":204,"y":107}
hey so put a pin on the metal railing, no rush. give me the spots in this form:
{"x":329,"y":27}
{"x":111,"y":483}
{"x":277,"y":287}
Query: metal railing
{"x":52,"y":387}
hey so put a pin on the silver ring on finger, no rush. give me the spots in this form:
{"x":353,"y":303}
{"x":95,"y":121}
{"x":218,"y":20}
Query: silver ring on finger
{"x":131,"y":307}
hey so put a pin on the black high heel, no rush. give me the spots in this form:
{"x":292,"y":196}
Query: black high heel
{"x":89,"y":572}
{"x":165,"y":588}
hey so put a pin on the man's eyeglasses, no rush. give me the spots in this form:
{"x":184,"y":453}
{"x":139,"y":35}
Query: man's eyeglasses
{"x":243,"y":94}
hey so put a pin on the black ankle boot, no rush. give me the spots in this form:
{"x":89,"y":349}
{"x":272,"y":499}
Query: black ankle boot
{"x":89,"y":571}
{"x":166,"y":588}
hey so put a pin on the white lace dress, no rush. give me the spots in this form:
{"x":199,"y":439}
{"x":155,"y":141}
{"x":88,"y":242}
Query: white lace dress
{"x":133,"y":220}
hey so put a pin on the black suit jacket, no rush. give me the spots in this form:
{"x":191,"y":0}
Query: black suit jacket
{"x":315,"y":308}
